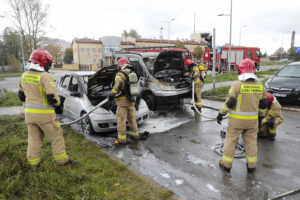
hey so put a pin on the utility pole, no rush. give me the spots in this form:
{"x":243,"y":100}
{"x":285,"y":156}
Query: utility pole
{"x":214,"y":59}
{"x":161,"y":37}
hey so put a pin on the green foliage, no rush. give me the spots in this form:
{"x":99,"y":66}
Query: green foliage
{"x":260,"y":74}
{"x":269,"y":63}
{"x":10,"y":46}
{"x":219,"y":94}
{"x":229,"y":76}
{"x":55,"y":50}
{"x":96,"y":177}
{"x":198,"y":52}
{"x":11,"y":99}
{"x":179,"y":44}
{"x":14,"y":63}
{"x":280,"y":53}
{"x":68,"y":56}
{"x":132,"y":33}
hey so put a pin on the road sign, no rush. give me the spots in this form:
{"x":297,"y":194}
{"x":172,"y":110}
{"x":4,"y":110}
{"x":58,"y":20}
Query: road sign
{"x":219,"y":50}
{"x":297,"y":49}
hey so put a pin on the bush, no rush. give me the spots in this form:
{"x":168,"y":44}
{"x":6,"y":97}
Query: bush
{"x":14,"y":63}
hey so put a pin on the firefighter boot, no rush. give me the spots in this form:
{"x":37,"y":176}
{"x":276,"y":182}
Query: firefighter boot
{"x":221,"y":164}
{"x":71,"y":162}
{"x":250,"y":170}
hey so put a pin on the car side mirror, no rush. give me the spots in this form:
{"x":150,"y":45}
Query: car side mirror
{"x":75,"y":94}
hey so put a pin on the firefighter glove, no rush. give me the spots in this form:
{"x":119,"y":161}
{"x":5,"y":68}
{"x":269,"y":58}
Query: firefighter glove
{"x":220,"y":118}
{"x":271,"y":122}
{"x":260,"y":118}
{"x":60,"y":109}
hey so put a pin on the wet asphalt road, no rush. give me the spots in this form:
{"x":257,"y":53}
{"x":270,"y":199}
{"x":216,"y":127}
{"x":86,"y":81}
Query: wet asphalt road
{"x":179,"y":154}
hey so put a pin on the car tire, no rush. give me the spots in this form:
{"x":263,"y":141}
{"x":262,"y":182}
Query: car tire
{"x":149,"y":99}
{"x":86,"y":125}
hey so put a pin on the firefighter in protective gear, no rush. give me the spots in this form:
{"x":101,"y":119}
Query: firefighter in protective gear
{"x":196,"y":75}
{"x":126,"y":110}
{"x":247,"y":99}
{"x":37,"y":91}
{"x":268,"y":124}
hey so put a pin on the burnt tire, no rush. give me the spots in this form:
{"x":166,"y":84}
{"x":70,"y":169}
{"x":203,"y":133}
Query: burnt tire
{"x":86,"y":125}
{"x":149,"y":99}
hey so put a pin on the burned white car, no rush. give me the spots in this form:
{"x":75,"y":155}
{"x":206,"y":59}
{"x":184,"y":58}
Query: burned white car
{"x":161,"y":77}
{"x":84,"y":90}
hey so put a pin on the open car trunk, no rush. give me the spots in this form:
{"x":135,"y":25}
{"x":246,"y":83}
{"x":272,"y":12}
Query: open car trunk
{"x":169,"y":68}
{"x":100,"y":85}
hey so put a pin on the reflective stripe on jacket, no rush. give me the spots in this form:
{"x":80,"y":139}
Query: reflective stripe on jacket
{"x":244,"y":113}
{"x":36,"y":85}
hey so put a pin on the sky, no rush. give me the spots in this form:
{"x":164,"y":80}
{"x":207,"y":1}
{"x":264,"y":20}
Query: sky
{"x":267,"y":24}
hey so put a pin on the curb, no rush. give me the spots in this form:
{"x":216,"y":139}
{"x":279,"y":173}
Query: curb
{"x":290,"y":109}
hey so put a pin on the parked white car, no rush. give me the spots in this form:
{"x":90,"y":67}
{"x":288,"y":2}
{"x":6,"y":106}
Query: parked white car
{"x":84,"y":90}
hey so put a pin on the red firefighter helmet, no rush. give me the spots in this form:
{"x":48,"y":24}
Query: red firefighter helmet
{"x":270,"y":98}
{"x":123,"y":62}
{"x":188,"y":62}
{"x":41,"y":57}
{"x":246,"y":70}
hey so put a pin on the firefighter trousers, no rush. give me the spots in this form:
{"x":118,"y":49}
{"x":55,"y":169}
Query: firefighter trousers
{"x":269,"y":132}
{"x":198,"y":87}
{"x":54,"y":133}
{"x":126,"y":112}
{"x":250,"y":141}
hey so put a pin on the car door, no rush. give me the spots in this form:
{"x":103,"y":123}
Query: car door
{"x":64,"y":91}
{"x":74,"y":102}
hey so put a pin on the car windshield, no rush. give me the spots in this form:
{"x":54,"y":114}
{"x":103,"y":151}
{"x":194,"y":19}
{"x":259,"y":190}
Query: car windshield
{"x":290,"y":71}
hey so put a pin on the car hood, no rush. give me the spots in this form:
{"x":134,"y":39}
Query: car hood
{"x":103,"y":77}
{"x":169,"y":61}
{"x":284,"y":82}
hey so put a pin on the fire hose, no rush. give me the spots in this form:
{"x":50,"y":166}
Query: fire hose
{"x":84,"y":116}
{"x":195,"y":107}
{"x":239,"y":150}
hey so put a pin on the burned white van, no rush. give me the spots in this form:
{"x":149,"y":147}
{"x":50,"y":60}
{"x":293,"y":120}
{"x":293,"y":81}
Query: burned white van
{"x":161,"y":77}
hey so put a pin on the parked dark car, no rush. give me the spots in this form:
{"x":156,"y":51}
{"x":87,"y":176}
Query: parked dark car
{"x":285,"y":85}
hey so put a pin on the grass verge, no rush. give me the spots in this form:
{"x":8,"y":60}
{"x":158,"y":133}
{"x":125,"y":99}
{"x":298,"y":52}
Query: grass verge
{"x":11,"y":99}
{"x":96,"y":177}
{"x":219,"y":94}
{"x":232,"y":76}
{"x":273,"y":63}
{"x":11,"y":74}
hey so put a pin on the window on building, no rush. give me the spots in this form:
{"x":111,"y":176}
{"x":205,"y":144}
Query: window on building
{"x":94,"y":60}
{"x":82,"y":49}
{"x":88,"y":49}
{"x":99,"y":50}
{"x":94,"y":50}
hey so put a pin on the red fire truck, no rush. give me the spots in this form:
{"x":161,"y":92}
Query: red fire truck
{"x":237,"y":55}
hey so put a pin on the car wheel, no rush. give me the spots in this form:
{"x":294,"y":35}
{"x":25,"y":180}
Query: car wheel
{"x":149,"y":99}
{"x":86,"y":125}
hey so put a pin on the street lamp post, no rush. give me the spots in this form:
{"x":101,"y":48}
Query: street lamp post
{"x":241,"y":33}
{"x":22,"y":49}
{"x":282,"y":43}
{"x":229,"y":56}
{"x":169,"y":27}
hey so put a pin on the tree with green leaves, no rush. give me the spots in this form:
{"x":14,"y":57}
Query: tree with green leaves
{"x":280,"y":53}
{"x":198,"y":52}
{"x":132,"y":33}
{"x":55,"y":50}
{"x":68,"y":56}
{"x":179,"y":44}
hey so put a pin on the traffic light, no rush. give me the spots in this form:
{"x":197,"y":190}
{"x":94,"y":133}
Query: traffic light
{"x":208,"y":39}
